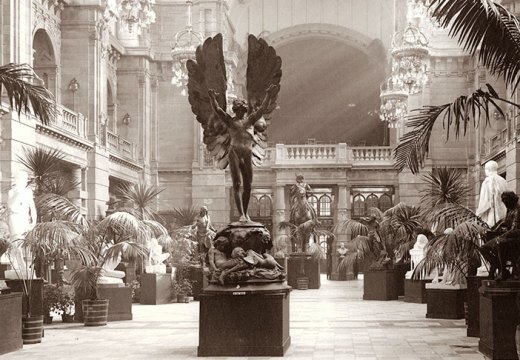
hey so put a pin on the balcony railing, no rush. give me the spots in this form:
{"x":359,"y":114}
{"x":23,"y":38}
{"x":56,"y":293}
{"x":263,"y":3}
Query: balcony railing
{"x":120,"y":145}
{"x":330,"y":154}
{"x":496,"y":142}
{"x":70,"y":121}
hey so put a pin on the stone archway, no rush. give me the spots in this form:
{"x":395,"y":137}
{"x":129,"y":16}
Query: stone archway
{"x":44,"y":60}
{"x":330,"y":90}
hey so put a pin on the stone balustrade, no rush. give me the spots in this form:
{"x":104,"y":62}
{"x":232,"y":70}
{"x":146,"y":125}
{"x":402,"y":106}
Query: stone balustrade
{"x":120,"y":145}
{"x":327,"y":154}
{"x":496,"y":142}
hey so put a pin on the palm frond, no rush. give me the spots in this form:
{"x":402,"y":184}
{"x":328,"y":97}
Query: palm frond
{"x":25,"y":92}
{"x":130,"y":250}
{"x":53,"y":206}
{"x":486,"y":28}
{"x":185,"y":216}
{"x":348,"y":262}
{"x":452,"y":215}
{"x":84,"y":279}
{"x":316,"y":251}
{"x":365,"y":247}
{"x":444,"y":185}
{"x":457,"y":116}
{"x":352,"y":226}
{"x":142,"y":198}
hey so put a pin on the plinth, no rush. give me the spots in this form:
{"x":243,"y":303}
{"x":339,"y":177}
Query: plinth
{"x":156,"y":289}
{"x":35,"y":288}
{"x":11,"y":322}
{"x":400,"y":272}
{"x":379,"y":285}
{"x":119,"y":301}
{"x":246,"y":320}
{"x":473,"y":301}
{"x":415,"y":291}
{"x":445,"y":301}
{"x":499,"y":317}
{"x":312,"y":270}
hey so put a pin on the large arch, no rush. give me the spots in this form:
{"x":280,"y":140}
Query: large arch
{"x":330,"y":86}
{"x":45,"y":62}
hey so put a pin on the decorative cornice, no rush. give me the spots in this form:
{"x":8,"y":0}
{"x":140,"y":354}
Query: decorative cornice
{"x":64,"y":137}
{"x":174,"y":171}
{"x":125,"y":162}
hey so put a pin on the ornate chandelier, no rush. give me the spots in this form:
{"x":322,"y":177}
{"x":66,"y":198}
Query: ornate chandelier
{"x":409,"y":59}
{"x":184,"y":46}
{"x":394,"y":103}
{"x":134,"y":15}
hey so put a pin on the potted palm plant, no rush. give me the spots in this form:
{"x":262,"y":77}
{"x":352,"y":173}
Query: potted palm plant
{"x":181,"y":284}
{"x":380,"y":239}
{"x":120,"y":234}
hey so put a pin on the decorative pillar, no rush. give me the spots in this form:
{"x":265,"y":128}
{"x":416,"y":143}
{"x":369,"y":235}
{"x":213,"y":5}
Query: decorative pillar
{"x":342,"y":214}
{"x":279,"y":215}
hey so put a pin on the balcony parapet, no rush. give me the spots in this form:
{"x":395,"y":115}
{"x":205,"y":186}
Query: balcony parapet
{"x":495,"y":144}
{"x":121,"y":146}
{"x":322,"y":155}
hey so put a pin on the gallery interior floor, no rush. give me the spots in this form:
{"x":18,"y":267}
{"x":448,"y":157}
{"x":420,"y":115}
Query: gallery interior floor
{"x":331,"y":323}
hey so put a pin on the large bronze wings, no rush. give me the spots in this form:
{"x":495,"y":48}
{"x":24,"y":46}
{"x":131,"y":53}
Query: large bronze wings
{"x":208,"y":71}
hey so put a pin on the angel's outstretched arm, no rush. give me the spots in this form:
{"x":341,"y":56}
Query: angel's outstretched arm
{"x":216,"y":107}
{"x":257,"y":114}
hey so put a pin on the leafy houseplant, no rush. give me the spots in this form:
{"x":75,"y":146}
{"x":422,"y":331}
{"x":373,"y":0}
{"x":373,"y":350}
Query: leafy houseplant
{"x":59,"y":300}
{"x":181,"y":285}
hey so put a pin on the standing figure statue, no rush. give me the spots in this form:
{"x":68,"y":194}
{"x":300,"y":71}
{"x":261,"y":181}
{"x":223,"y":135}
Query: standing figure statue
{"x":303,"y":215}
{"x":22,"y":219}
{"x":204,"y":231}
{"x":490,"y":206}
{"x":237,"y":140}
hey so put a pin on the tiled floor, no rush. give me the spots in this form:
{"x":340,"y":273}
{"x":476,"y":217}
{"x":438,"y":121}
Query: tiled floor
{"x":330,"y":323}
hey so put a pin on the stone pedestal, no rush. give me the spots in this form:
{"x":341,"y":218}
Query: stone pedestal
{"x":11,"y":322}
{"x":119,"y":301}
{"x":499,"y":317}
{"x":250,"y":320}
{"x":3,"y":269}
{"x":473,"y":308}
{"x":415,"y":291}
{"x":156,"y":289}
{"x":445,"y":303}
{"x":312,"y":270}
{"x":379,"y":285}
{"x":199,"y":281}
{"x":36,"y":292}
{"x":400,"y":272}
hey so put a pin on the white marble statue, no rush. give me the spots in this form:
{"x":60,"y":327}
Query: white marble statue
{"x":490,"y":208}
{"x":108,"y":273}
{"x":155,"y":263}
{"x":21,"y":219}
{"x":417,"y":254}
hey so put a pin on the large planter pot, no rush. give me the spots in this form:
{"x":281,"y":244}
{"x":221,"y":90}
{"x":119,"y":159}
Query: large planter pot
{"x":183,"y":298}
{"x":379,"y":285}
{"x":95,"y":312}
{"x":11,"y":322}
{"x":32,"y":329}
{"x":66,"y":318}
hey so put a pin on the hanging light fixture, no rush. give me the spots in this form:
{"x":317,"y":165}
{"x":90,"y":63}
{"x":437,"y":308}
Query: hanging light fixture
{"x":133,"y":15}
{"x":409,"y":59}
{"x":185,"y":43}
{"x":394,"y":103}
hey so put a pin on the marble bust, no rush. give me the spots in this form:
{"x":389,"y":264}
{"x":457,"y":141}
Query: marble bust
{"x":417,"y":254}
{"x":21,"y":219}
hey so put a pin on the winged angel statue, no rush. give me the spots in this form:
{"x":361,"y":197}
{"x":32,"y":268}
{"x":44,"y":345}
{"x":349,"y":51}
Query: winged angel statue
{"x":237,"y":140}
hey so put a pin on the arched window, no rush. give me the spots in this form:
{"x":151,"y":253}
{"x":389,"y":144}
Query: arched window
{"x":372,"y":201}
{"x":44,"y":60}
{"x":265,"y":206}
{"x":358,"y":205}
{"x":313,"y":200}
{"x":385,"y":202}
{"x":325,"y":206}
{"x":253,"y":207}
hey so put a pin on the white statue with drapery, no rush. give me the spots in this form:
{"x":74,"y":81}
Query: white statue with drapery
{"x":21,"y":219}
{"x":490,"y":208}
{"x":417,"y":254}
{"x":109,"y":274}
{"x":156,"y":257}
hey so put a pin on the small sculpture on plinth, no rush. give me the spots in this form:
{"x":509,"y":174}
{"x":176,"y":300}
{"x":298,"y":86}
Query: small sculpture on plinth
{"x":156,"y":257}
{"x":504,"y":243}
{"x":417,"y":254}
{"x":238,"y":253}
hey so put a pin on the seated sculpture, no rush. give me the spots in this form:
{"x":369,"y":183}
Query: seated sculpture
{"x":108,"y":274}
{"x":156,"y":257}
{"x":417,"y":254}
{"x":241,"y":265}
{"x":504,"y":245}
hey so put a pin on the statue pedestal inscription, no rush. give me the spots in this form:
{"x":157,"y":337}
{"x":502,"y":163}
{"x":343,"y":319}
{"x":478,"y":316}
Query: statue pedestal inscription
{"x":499,"y":317}
{"x":250,"y":320}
